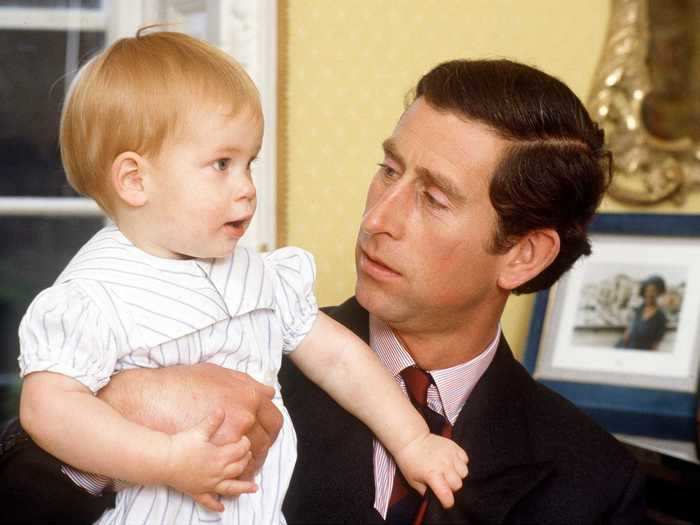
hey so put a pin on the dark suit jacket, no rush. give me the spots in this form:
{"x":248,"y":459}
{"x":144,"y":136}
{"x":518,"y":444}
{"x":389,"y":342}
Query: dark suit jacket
{"x":534,"y":457}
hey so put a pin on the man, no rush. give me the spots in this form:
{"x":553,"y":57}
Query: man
{"x":486,"y":188}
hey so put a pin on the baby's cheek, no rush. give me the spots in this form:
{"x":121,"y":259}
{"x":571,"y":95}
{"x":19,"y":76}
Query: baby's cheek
{"x":215,"y":214}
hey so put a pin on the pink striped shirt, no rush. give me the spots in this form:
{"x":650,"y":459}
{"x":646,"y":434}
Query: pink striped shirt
{"x":447,"y":396}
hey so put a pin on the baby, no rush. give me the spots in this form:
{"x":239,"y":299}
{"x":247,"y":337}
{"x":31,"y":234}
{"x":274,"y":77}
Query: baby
{"x":161,"y":130}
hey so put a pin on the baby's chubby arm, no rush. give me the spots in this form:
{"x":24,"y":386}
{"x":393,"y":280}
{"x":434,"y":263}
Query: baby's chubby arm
{"x":345,"y":367}
{"x":64,"y":418}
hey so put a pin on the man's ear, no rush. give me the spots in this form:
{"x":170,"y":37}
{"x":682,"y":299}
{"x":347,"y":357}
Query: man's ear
{"x":128,"y":171}
{"x":529,"y":257}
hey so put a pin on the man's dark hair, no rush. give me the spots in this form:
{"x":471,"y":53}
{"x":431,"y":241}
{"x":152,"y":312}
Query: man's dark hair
{"x":555,"y":170}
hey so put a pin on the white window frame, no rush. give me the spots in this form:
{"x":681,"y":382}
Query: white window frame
{"x":246,"y":29}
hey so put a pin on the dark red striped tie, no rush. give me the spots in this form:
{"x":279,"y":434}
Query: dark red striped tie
{"x":407,"y":506}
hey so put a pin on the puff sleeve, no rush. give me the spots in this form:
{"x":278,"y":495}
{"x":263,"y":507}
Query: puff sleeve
{"x":64,"y":331}
{"x":294,"y":274}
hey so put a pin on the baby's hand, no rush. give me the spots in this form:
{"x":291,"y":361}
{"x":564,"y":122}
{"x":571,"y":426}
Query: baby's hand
{"x":434,"y":461}
{"x":198,"y":467}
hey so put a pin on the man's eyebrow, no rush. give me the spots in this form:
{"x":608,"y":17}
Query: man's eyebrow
{"x":433,"y":178}
{"x":390,"y":150}
{"x":443,"y":183}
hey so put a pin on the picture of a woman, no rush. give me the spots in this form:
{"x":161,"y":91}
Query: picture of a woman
{"x":648,"y":324}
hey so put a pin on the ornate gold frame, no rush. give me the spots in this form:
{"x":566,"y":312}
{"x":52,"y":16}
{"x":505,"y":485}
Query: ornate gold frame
{"x":648,"y":169}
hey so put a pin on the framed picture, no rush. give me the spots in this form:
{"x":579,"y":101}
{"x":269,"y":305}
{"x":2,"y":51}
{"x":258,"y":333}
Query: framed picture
{"x":619,"y":335}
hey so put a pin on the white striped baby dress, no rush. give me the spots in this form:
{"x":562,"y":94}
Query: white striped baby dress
{"x":115,"y":307}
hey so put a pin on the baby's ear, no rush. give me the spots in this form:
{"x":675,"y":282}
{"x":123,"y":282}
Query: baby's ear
{"x":128,"y":171}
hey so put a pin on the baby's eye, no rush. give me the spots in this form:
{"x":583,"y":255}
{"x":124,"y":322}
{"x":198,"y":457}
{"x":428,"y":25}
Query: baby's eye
{"x":222,"y":164}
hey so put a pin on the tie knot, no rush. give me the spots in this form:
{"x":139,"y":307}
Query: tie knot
{"x":417,"y":382}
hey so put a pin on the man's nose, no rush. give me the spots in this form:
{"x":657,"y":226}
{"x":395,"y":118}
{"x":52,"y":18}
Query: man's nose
{"x":387,"y":210}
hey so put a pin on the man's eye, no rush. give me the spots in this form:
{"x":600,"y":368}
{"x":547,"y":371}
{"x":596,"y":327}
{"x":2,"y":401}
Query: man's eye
{"x":221,"y":164}
{"x":387,"y":170}
{"x":434,"y":202}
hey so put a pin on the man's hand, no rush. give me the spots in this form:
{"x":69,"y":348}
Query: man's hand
{"x":175,"y":398}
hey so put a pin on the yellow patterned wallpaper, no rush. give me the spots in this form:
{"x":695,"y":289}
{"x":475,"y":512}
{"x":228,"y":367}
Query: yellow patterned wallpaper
{"x":347,"y":67}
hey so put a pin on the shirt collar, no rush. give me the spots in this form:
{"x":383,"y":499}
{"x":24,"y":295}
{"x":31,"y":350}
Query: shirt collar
{"x":454,"y":384}
{"x":188,"y":294}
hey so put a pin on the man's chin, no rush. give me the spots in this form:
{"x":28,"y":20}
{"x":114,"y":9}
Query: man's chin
{"x":362,"y":298}
{"x":375,"y":300}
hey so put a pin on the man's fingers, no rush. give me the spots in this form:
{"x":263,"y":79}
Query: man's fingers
{"x":209,"y":501}
{"x":269,"y":418}
{"x":259,"y":445}
{"x":265,"y":390}
{"x":210,"y":424}
{"x":259,"y":440}
{"x":235,"y":487}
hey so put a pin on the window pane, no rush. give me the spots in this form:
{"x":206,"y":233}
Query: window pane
{"x":32,"y":68}
{"x":85,"y":4}
{"x":33,"y":253}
